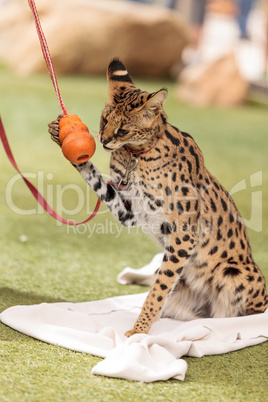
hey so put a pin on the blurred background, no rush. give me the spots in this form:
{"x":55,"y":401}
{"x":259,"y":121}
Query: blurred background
{"x":215,"y":49}
{"x":212,"y":58}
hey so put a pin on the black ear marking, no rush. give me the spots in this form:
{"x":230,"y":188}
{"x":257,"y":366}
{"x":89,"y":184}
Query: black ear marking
{"x":118,"y":72}
{"x":115,"y":65}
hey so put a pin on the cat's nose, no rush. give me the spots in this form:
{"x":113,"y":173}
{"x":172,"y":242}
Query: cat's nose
{"x":101,"y":139}
{"x":105,"y":141}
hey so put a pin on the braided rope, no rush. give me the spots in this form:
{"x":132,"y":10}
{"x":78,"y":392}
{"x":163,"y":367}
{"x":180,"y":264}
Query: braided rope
{"x":46,"y":54}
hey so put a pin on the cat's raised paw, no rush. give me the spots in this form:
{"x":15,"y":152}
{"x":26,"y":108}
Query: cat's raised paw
{"x":53,"y":129}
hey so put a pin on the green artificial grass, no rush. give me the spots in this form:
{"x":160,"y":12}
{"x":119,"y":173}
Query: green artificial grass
{"x":80,"y":264}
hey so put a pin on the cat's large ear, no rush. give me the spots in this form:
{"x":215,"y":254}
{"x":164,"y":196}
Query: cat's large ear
{"x":117,"y":76}
{"x":154,"y":101}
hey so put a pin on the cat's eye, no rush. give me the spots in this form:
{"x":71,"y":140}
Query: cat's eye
{"x":120,"y":132}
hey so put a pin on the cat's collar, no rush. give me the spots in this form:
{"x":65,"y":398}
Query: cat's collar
{"x":140,"y":151}
{"x":132,"y":164}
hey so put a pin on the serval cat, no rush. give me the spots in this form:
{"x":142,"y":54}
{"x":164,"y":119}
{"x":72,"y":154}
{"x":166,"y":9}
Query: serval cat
{"x":158,"y":179}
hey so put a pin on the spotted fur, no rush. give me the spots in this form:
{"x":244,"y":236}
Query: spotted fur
{"x":207,"y":269}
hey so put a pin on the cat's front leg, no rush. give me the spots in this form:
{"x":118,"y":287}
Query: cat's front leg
{"x":164,"y":282}
{"x":119,"y":205}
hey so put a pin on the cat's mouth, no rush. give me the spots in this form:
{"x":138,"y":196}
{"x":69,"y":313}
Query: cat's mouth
{"x":107,"y":148}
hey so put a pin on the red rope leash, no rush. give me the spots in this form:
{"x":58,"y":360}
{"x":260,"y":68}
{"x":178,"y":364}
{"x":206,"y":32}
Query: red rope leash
{"x":34,"y":191}
{"x":46,"y":54}
{"x":3,"y":136}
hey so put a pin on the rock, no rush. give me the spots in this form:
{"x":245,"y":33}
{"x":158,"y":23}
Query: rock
{"x":218,"y":82}
{"x":84,"y":35}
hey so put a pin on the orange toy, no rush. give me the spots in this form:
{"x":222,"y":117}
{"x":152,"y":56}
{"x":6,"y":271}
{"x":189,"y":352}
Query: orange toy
{"x":78,"y":145}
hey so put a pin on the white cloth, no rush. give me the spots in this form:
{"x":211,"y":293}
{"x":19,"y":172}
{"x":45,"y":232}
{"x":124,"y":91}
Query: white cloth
{"x":142,"y":276}
{"x":98,"y":328}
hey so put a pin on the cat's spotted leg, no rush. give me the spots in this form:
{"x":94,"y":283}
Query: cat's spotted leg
{"x":119,"y":205}
{"x":165,"y":280}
